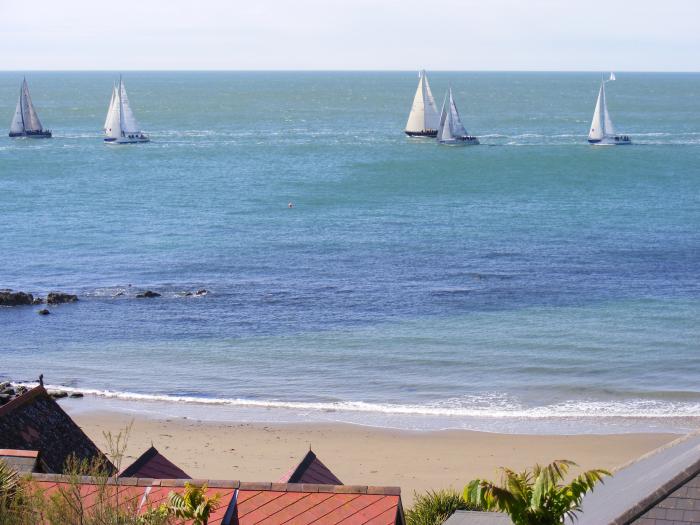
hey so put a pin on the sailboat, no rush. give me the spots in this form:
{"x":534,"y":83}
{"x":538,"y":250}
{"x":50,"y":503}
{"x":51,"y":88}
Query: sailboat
{"x":451,"y":130}
{"x":25,"y":122}
{"x":602,"y":130}
{"x":120,"y":124}
{"x":423,"y":119}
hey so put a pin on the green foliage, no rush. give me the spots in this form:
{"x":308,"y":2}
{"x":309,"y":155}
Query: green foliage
{"x":537,"y":497}
{"x":435,"y":506}
{"x":193,"y":504}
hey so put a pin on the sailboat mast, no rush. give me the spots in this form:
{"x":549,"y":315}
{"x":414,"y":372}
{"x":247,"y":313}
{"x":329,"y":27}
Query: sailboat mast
{"x":121,"y":108}
{"x":21,"y":103}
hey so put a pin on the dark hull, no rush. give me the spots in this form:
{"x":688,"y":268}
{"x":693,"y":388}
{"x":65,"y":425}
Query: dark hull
{"x":612,"y":141}
{"x":425,"y":133}
{"x":44,"y":134}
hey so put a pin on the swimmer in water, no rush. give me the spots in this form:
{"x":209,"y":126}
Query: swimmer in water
{"x":290,"y":205}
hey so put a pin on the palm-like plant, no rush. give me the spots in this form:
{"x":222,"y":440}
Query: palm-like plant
{"x":435,"y":506}
{"x":9,"y":483}
{"x":537,"y":497}
{"x":193,"y":504}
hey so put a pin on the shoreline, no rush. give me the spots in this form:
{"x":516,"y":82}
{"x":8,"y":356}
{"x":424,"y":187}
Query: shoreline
{"x":412,"y":460}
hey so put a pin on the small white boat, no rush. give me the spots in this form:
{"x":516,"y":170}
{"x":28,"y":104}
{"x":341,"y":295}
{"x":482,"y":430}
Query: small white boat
{"x":602,"y":131}
{"x":423,"y":118}
{"x":120,"y":124}
{"x":25,"y":122}
{"x":451,"y":131}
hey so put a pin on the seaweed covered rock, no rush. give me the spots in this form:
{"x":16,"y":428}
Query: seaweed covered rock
{"x":60,"y":298}
{"x":10,"y":298}
{"x":148,"y":294}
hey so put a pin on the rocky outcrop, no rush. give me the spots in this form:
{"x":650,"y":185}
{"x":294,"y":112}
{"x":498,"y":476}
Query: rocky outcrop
{"x":43,"y":311}
{"x":10,"y":298}
{"x":60,"y":298}
{"x":148,"y":294}
{"x":38,"y":300}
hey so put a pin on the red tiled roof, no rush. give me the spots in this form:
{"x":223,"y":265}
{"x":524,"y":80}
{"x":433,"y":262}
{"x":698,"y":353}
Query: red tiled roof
{"x":152,"y":464}
{"x":311,"y":470}
{"x":257,"y":503}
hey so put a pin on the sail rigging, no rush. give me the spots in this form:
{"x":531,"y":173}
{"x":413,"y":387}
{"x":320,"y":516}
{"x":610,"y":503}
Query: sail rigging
{"x":601,"y":125}
{"x":451,"y":129}
{"x":120,"y":123}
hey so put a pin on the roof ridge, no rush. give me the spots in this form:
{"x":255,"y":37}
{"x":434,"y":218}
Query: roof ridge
{"x":234,"y":484}
{"x":22,"y":399}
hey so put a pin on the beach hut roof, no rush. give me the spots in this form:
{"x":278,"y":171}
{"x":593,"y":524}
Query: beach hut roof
{"x":311,"y":470}
{"x":250,"y":503}
{"x":659,"y":488}
{"x":152,"y":464}
{"x":34,"y":421}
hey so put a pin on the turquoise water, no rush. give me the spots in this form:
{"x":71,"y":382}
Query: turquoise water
{"x":533,"y":282}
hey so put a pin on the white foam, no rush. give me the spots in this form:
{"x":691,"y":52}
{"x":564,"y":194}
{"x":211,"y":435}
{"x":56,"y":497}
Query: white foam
{"x":487,"y":406}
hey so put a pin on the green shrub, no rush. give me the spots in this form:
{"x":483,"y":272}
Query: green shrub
{"x":435,"y":506}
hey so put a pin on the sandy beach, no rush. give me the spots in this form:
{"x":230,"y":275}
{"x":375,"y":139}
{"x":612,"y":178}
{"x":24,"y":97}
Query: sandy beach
{"x":415,"y":461}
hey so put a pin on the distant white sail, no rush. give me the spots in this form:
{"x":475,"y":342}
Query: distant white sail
{"x":445,"y":124}
{"x":601,"y":125}
{"x":129,"y":124}
{"x":113,"y":128}
{"x":110,"y":109}
{"x":458,"y":129}
{"x":17,"y":124}
{"x":423,"y":116}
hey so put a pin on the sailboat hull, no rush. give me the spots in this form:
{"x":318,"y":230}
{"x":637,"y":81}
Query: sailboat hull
{"x":128,"y":140}
{"x":432,"y":133}
{"x":460,"y":141}
{"x":616,"y":140}
{"x":43,"y":134}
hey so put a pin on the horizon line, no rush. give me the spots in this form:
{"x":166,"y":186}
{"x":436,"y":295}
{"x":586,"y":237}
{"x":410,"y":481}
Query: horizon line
{"x":142,"y":70}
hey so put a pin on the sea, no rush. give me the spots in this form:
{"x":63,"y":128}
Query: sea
{"x":532,"y":284}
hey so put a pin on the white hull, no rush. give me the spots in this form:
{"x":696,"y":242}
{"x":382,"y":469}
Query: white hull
{"x":128,"y":140}
{"x":462,"y":141}
{"x":616,"y":140}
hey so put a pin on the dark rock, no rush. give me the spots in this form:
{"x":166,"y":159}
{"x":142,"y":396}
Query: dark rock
{"x":76,"y":394}
{"x":38,"y":300}
{"x":147,"y":294}
{"x":43,"y":311}
{"x":118,"y":294}
{"x":57,"y":394}
{"x":8,"y":390}
{"x":4,"y":398}
{"x":10,"y":298}
{"x":60,"y":298}
{"x":21,"y":390}
{"x":201,"y":292}
{"x":5,"y":384}
{"x":188,"y":294}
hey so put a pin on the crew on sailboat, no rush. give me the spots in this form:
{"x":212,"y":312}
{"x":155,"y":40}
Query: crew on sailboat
{"x":120,"y":124}
{"x":602,"y":130}
{"x":451,"y":130}
{"x":25,"y":122}
{"x":423,"y":119}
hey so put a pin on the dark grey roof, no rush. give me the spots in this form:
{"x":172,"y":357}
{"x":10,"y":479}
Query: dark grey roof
{"x":470,"y":517}
{"x":663,"y":479}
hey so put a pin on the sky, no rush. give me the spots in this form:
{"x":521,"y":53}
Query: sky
{"x":550,"y":35}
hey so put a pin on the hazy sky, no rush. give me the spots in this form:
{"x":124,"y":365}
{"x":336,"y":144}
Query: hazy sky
{"x":642,"y":35}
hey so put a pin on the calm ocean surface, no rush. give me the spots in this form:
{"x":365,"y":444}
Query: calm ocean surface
{"x":533,"y":283}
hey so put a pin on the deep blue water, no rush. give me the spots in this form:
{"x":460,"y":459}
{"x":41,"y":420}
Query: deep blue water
{"x":415,"y":285}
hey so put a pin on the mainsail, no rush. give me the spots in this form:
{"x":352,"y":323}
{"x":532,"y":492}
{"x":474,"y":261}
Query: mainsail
{"x":423,"y":116}
{"x":601,"y":125}
{"x":129,"y":124}
{"x":450,"y":122}
{"x":25,"y":119}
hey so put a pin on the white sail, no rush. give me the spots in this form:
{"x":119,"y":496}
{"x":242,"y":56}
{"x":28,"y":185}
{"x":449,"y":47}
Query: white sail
{"x":17,"y":124}
{"x":423,"y":115}
{"x":128,"y":121}
{"x":416,"y":118}
{"x":457,"y":126}
{"x":30,"y":118}
{"x":113,"y":127}
{"x":445,"y":124}
{"x":110,"y":109}
{"x":431,"y":116}
{"x":608,"y":128}
{"x":597,"y":131}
